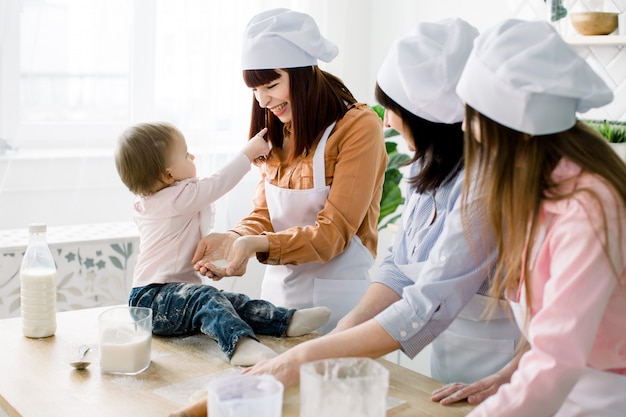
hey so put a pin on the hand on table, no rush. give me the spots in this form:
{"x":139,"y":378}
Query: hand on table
{"x":475,"y":393}
{"x":478,"y":391}
{"x":284,"y":370}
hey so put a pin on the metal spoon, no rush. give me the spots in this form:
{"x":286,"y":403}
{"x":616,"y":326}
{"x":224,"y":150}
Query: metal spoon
{"x":81,"y":363}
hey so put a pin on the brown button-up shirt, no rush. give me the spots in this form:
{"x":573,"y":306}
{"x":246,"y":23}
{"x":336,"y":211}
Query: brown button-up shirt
{"x":355,"y":160}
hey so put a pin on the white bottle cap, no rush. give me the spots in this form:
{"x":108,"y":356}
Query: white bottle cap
{"x":37,"y":228}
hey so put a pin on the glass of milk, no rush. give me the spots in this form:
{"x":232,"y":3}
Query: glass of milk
{"x":125,"y":340}
{"x":343,"y":387}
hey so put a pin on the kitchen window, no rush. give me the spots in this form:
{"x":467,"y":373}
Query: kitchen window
{"x":74,"y":73}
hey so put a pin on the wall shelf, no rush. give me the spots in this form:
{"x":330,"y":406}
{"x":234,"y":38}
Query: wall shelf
{"x":610,"y":40}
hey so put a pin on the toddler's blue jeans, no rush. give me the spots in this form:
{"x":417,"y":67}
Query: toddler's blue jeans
{"x":226,"y":317}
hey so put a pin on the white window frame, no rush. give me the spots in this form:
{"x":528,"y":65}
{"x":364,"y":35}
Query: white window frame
{"x":70,"y":134}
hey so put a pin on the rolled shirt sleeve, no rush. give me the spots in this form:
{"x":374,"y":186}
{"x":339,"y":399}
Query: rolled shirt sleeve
{"x":449,"y":270}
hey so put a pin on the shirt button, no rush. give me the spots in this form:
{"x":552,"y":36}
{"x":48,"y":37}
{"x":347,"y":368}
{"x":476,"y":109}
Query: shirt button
{"x":443,"y":258}
{"x":403,"y":333}
{"x":414,"y":325}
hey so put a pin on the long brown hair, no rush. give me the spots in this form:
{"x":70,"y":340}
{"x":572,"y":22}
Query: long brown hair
{"x":318,"y":98}
{"x":512,"y":171}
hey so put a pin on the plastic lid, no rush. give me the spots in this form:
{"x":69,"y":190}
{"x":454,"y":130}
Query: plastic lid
{"x":37,"y":228}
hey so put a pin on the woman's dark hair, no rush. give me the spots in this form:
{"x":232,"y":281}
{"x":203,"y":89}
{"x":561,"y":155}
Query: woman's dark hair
{"x":438,"y":145}
{"x":318,"y":98}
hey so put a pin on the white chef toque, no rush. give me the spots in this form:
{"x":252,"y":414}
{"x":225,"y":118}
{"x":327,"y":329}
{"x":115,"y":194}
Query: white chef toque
{"x":282,"y":38}
{"x":524,"y":76}
{"x":422,"y":68}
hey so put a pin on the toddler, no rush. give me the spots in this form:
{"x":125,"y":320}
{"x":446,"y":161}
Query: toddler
{"x":173,"y":210}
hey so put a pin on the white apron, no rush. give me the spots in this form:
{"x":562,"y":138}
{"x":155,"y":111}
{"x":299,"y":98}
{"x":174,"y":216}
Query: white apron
{"x":473,"y":346}
{"x":595,"y":394}
{"x":338,"y":284}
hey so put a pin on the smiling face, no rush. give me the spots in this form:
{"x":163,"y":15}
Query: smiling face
{"x":180,"y":161}
{"x":275,"y":97}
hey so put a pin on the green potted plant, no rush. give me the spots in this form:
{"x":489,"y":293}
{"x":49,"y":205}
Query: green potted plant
{"x":392,"y":194}
{"x":614,"y":132}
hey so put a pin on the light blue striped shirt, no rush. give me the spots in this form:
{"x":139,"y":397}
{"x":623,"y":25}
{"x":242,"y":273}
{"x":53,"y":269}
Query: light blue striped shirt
{"x":430,"y":238}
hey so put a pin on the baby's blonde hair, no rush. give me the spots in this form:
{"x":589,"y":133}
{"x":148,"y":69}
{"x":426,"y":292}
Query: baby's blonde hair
{"x":141,"y":156}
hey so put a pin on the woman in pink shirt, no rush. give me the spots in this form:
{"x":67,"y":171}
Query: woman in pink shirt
{"x":558,"y":205}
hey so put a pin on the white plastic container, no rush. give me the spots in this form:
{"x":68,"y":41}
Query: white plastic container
{"x":38,"y":286}
{"x":245,"y":396}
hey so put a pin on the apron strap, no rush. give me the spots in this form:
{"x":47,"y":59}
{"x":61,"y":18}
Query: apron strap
{"x":319,"y":168}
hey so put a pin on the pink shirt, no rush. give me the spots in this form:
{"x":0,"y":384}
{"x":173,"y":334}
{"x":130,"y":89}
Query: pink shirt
{"x":172,"y":221}
{"x":578,"y":316}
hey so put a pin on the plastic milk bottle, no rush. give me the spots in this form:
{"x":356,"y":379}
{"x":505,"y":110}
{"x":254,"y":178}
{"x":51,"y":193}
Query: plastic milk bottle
{"x":38,"y":286}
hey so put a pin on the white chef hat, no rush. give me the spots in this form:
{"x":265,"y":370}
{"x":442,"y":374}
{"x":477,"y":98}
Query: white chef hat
{"x":524,"y":76}
{"x":282,"y":38}
{"x":422,"y":68}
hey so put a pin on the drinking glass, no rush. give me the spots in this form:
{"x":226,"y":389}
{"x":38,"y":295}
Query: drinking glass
{"x":341,"y":387}
{"x":125,"y":340}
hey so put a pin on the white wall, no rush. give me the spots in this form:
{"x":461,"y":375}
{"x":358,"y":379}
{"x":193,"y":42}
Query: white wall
{"x":61,"y":189}
{"x":391,"y":19}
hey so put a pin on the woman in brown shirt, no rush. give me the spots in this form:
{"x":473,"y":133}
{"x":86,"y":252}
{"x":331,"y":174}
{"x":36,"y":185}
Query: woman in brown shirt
{"x":315,"y":215}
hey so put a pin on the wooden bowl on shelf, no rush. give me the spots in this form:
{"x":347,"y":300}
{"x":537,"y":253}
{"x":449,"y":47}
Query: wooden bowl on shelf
{"x":594,"y":23}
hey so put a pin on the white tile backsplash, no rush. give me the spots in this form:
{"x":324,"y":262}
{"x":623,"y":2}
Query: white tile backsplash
{"x":609,"y":61}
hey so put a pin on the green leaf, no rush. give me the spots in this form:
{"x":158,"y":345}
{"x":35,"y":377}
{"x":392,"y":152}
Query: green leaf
{"x":391,"y":147}
{"x":117,"y":248}
{"x":391,"y":200}
{"x":389,"y":133}
{"x":380,"y":110}
{"x":116,"y":262}
{"x":397,"y":160}
{"x":393,"y":176}
{"x":612,"y":131}
{"x":391,"y":197}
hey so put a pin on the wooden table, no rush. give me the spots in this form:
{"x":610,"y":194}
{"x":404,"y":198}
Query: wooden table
{"x":36,"y":379}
